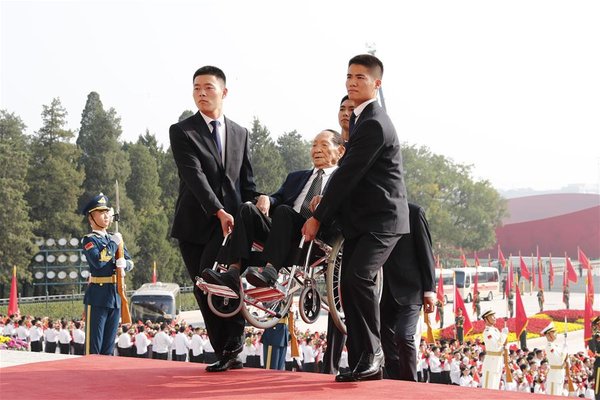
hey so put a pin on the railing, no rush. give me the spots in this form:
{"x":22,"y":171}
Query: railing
{"x":69,"y":297}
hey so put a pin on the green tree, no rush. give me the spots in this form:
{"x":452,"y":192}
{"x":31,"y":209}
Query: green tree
{"x":267,"y":164}
{"x":54,"y":177}
{"x":105,"y":162}
{"x":185,"y":114}
{"x":143,"y":183}
{"x":16,"y":235}
{"x":294,"y":151}
{"x":462,"y":213}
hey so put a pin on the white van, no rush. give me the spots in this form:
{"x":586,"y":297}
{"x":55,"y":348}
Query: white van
{"x":156,"y":302}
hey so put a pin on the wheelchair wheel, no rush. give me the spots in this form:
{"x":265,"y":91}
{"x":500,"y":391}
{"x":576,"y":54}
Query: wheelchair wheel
{"x":309,"y":304}
{"x":265,"y":314}
{"x":334,"y":292}
{"x":224,"y":307}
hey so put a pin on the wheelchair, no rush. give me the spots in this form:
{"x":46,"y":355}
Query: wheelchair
{"x":314,"y":277}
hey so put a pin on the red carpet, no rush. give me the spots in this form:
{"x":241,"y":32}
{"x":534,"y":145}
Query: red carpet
{"x":101,"y":377}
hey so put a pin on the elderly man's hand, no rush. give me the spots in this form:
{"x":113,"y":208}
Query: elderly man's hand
{"x":263,"y":204}
{"x":310,"y":229}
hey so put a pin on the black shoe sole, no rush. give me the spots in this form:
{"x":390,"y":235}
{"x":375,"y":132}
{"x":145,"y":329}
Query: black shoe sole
{"x":258,"y":281}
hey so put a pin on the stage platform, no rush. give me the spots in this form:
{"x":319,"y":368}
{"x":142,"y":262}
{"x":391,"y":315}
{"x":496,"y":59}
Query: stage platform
{"x":104,"y":377}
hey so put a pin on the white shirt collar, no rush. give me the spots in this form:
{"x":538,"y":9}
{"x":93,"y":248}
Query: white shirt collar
{"x":362,"y":106}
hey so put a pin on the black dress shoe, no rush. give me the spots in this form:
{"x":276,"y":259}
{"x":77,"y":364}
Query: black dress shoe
{"x":225,"y":364}
{"x":345,"y":377}
{"x":266,"y":278}
{"x":233,"y":350}
{"x":370,"y":367}
{"x":231,"y":278}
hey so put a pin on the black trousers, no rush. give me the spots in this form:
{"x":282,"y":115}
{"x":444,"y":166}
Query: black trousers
{"x":335,"y":344}
{"x":363,"y":257}
{"x":50,"y":347}
{"x":79,"y":349}
{"x":285,"y":235}
{"x":224,"y":333}
{"x":36,"y":346}
{"x":65,"y":348}
{"x":398,"y":329}
{"x":160,"y":356}
{"x":251,"y":225}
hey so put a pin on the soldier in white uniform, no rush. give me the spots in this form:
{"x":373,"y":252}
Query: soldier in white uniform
{"x":556,"y":355}
{"x":494,"y":346}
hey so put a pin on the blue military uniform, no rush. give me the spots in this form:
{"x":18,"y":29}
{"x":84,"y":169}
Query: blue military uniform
{"x":275,"y":341}
{"x":103,"y":304}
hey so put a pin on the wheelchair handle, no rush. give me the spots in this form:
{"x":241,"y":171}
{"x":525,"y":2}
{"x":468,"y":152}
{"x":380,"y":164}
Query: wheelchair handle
{"x":302,"y":239}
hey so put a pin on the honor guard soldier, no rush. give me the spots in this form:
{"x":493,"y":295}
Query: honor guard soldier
{"x":494,"y":346}
{"x":275,"y":343}
{"x":556,"y":355}
{"x":540,"y":298}
{"x":459,"y":322}
{"x":103,"y":304}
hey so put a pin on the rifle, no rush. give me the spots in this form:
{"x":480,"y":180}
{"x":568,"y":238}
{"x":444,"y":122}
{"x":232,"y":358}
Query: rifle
{"x":509,"y":377}
{"x":568,"y":365}
{"x":121,"y":287}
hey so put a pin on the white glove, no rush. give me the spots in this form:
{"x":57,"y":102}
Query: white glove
{"x":505,"y":330}
{"x":121,"y":264}
{"x":117,"y":238}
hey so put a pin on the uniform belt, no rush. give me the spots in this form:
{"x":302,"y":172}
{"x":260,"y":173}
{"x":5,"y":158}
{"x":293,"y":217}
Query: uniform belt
{"x":556,"y":367}
{"x":103,"y":279}
{"x":494,"y":353}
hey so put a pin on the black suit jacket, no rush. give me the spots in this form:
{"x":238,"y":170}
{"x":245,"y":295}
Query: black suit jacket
{"x":205,"y":184}
{"x":368,"y":187}
{"x":291,"y":188}
{"x":410,"y":269}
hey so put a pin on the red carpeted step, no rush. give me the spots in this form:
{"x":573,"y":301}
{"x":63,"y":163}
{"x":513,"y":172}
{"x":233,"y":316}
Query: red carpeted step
{"x":103,"y":377}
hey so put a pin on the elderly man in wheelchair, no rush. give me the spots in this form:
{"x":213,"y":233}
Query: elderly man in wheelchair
{"x":275,"y":222}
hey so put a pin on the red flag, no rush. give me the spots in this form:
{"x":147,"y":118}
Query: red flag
{"x":590,"y":283}
{"x":154,"y":273}
{"x":477,"y":263}
{"x":565,"y":284}
{"x":571,"y":274}
{"x":459,"y":303}
{"x":501,"y":258}
{"x":524,"y":269}
{"x":539,"y":262}
{"x":551,"y":272}
{"x":532,"y":272}
{"x":520,"y":316}
{"x":583,"y":259}
{"x":440,"y":291}
{"x":509,"y":278}
{"x":13,"y":305}
{"x":463,"y":258}
{"x":588,"y":313}
{"x":475,"y":286}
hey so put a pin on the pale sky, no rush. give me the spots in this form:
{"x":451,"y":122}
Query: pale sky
{"x":511,"y":87}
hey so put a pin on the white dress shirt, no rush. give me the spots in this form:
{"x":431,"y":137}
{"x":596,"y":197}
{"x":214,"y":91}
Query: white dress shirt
{"x":326,"y":175}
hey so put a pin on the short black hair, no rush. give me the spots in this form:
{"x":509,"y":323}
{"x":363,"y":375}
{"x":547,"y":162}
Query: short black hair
{"x":210,"y":70}
{"x":373,"y":63}
{"x":344,"y":99}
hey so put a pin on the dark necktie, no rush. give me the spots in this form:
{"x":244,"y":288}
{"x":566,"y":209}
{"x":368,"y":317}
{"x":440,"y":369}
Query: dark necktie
{"x":216,"y":137}
{"x":313,"y":190}
{"x":351,"y":125}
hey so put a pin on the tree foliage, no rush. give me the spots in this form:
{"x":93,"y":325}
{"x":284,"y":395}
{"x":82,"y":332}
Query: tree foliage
{"x":16,"y":235}
{"x":267,"y":163}
{"x":54,"y":177}
{"x":295,"y":151}
{"x":462,"y":213}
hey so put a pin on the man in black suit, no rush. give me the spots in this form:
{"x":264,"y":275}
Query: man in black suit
{"x":281,"y":233}
{"x":212,"y":157}
{"x":368,"y":194}
{"x":408,"y":284}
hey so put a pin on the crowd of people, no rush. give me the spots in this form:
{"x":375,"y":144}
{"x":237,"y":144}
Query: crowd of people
{"x":443,"y":362}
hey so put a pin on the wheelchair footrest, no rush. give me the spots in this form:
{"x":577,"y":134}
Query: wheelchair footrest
{"x":216,"y":290}
{"x":265,"y":294}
